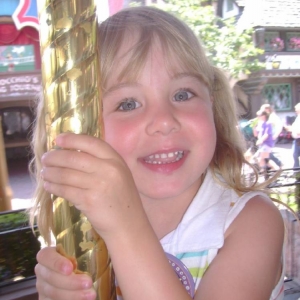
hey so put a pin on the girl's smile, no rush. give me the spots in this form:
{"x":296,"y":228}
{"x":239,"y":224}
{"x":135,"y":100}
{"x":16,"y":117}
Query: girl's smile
{"x":165,"y":162}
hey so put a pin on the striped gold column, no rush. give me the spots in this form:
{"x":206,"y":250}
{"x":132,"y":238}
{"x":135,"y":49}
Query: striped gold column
{"x":71,"y":90}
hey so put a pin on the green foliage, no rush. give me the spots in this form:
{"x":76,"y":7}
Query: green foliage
{"x":226,"y":46}
{"x":13,"y":220}
{"x":18,"y":247}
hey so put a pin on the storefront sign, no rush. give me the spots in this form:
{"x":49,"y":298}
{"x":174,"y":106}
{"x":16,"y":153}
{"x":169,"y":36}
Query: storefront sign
{"x":17,"y":58}
{"x":26,"y":85}
{"x":26,"y":14}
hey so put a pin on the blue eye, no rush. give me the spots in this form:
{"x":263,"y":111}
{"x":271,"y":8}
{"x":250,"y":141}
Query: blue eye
{"x":183,"y":95}
{"x":128,"y":104}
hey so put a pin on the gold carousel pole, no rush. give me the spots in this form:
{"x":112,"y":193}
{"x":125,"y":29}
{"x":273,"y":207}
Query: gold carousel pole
{"x":71,"y":90}
{"x":5,"y":190}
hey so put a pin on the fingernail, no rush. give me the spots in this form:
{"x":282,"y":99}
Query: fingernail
{"x":46,"y":185}
{"x":66,"y":268}
{"x":42,"y":174}
{"x":86,"y":284}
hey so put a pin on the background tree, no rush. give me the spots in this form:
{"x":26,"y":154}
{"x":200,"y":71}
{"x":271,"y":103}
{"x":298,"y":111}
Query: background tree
{"x":227,"y":47}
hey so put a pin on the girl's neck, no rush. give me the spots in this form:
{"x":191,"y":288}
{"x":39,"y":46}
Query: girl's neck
{"x":165,"y":214}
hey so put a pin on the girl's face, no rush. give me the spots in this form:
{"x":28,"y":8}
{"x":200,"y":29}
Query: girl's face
{"x":162,"y":125}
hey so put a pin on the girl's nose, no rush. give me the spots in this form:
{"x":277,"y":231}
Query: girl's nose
{"x":163,"y":120}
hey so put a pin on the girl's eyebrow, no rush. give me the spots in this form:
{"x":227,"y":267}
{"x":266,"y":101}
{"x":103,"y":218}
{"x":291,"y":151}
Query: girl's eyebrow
{"x":189,"y":74}
{"x":121,"y":85}
{"x":136,"y":84}
{"x":198,"y":76}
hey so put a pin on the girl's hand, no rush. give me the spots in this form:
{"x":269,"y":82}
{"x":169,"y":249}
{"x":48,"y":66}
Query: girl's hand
{"x":98,"y":182}
{"x":94,"y":177}
{"x":55,"y":279}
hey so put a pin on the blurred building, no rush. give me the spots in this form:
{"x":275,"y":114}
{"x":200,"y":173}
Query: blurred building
{"x":277,"y":31}
{"x":20,"y":64}
{"x":20,"y":67}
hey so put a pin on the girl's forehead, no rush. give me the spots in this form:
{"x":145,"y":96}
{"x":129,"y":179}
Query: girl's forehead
{"x":130,"y":62}
{"x":136,"y":50}
{"x":154,"y":63}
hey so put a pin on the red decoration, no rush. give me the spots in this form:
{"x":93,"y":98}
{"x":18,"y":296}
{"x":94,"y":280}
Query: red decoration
{"x":9,"y":35}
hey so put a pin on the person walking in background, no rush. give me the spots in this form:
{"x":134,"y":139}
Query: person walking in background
{"x":277,"y":127}
{"x":296,"y":135}
{"x":274,"y":119}
{"x":265,"y":141}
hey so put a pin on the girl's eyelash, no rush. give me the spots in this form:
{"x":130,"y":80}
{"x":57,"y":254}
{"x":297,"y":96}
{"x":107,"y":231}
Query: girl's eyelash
{"x":125,"y":100}
{"x":186,"y":90}
{"x":183,"y":89}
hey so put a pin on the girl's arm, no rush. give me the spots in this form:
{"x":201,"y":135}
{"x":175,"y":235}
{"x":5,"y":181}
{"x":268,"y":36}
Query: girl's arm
{"x":250,"y":263}
{"x":98,"y":182}
{"x":247,"y":267}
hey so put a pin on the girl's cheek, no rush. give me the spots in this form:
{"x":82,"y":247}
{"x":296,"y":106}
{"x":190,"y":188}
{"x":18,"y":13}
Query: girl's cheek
{"x":121,"y":137}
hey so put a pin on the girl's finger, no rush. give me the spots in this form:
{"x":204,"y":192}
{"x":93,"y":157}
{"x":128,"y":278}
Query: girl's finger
{"x":72,"y":159}
{"x":94,"y":146}
{"x":47,"y":291}
{"x":75,"y":195}
{"x":55,"y":278}
{"x":68,"y":177}
{"x":52,"y":260}
{"x":59,"y":281}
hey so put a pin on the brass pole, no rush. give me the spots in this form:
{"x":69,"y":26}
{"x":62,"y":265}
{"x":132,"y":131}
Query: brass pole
{"x":72,"y":98}
{"x":5,"y":190}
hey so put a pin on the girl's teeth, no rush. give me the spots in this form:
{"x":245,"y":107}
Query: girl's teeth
{"x":163,"y":158}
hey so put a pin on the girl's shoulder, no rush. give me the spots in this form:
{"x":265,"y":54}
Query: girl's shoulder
{"x":251,"y":257}
{"x":254,"y":206}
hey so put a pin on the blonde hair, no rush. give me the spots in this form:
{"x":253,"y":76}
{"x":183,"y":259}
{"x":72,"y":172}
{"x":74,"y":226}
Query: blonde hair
{"x":177,"y":41}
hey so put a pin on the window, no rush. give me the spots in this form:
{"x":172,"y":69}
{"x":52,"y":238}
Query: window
{"x":273,"y":42}
{"x":279,"y":95}
{"x":16,"y":124}
{"x":229,"y":5}
{"x":293,"y":41}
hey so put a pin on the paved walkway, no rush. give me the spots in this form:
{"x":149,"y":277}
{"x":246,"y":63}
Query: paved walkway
{"x":21,"y":183}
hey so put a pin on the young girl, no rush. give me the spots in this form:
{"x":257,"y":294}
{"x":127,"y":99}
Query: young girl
{"x":166,"y":182}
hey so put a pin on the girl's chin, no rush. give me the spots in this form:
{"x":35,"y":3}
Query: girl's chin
{"x":165,"y":191}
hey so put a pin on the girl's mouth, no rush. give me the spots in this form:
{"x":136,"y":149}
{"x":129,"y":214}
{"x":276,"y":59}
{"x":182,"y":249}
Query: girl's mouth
{"x":164,"y":158}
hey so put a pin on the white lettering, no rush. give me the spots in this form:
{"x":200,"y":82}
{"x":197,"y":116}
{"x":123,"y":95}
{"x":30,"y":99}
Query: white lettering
{"x":3,"y":89}
{"x":21,"y":79}
{"x":18,"y":85}
{"x":24,"y":87}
